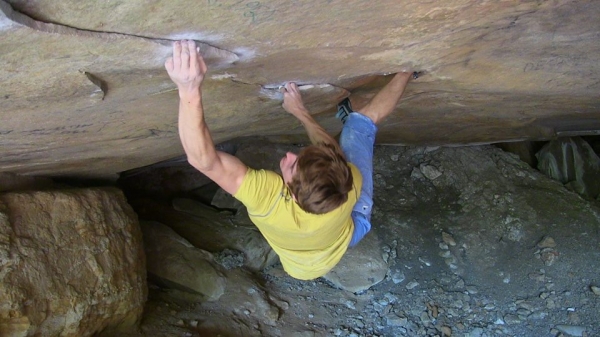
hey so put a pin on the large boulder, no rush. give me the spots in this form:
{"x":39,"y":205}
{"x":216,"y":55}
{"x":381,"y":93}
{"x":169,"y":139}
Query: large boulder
{"x":573,"y":162}
{"x":176,"y":263}
{"x":361,"y":267}
{"x":209,"y":229}
{"x":71,"y":263}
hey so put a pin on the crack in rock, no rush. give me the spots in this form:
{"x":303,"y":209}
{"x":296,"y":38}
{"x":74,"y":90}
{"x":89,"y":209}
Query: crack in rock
{"x":102,"y":86}
{"x":210,"y":53}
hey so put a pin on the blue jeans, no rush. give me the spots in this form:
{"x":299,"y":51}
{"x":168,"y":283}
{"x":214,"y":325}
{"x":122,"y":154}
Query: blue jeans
{"x":357,"y":140}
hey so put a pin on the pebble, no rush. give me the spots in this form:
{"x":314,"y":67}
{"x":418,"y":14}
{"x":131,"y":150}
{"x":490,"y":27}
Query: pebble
{"x":446,"y":331}
{"x":448,"y":239}
{"x":595,"y":290}
{"x":512,"y":319}
{"x":412,"y":285}
{"x":430,"y":171}
{"x":547,"y":242}
{"x":398,"y":277}
{"x":395,"y":320}
{"x":477,"y":332}
{"x":425,"y":319}
{"x":391,"y":297}
{"x":472,"y":290}
{"x":425,"y":262}
{"x":573,"y":330}
{"x":549,"y":256}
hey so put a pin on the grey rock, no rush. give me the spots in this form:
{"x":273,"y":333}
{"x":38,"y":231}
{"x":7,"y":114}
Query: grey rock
{"x":395,"y":320}
{"x":361,"y":267}
{"x":448,"y":239}
{"x":398,"y":277}
{"x":430,"y":171}
{"x":512,"y":319}
{"x":213,"y":230}
{"x":477,"y":332}
{"x":176,"y":263}
{"x":572,"y":330}
{"x":412,"y":285}
{"x":573,"y":162}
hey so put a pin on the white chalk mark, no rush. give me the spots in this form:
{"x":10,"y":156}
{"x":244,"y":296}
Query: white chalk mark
{"x":222,"y":76}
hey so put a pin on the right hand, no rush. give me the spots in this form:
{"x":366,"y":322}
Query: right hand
{"x":292,"y":99}
{"x":186,"y":67}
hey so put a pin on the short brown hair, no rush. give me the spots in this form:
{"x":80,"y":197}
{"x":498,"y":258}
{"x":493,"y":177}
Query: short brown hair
{"x":322,"y":179}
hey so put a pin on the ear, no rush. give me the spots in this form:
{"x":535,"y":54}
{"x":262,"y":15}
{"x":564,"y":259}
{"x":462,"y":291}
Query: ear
{"x":292,"y":194}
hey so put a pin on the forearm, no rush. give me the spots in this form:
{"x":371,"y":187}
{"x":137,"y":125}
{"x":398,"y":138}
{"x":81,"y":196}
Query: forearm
{"x":315,"y":131}
{"x":194,"y":133}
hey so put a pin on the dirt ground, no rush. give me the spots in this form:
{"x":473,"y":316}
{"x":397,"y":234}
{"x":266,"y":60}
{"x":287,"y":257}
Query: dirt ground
{"x":477,"y":243}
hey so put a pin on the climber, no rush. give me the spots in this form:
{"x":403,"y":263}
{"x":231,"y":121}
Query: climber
{"x":321,"y":203}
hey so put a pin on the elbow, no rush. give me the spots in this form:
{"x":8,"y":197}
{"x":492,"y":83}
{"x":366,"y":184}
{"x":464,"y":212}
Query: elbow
{"x":200,"y":165}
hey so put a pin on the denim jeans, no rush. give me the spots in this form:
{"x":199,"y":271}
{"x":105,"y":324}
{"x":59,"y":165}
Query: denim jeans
{"x":357,"y":140}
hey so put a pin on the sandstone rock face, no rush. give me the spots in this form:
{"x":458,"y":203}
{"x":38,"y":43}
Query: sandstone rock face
{"x":84,"y":90}
{"x":71,"y":263}
{"x":176,"y":263}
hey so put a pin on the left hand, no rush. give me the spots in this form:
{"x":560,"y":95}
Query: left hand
{"x":186,"y":67}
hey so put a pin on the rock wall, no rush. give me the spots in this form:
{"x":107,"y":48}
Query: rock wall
{"x":71,"y":263}
{"x":85,"y":92}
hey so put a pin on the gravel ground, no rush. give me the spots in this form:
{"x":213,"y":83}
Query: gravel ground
{"x":477,"y":243}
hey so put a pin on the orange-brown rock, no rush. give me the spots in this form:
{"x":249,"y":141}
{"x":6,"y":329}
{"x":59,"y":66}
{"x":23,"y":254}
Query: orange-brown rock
{"x":71,"y":263}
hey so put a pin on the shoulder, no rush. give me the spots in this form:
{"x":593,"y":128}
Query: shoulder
{"x":259,"y":188}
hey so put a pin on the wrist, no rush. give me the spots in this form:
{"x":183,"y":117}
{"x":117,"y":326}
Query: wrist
{"x":190,"y":95}
{"x":298,"y":112}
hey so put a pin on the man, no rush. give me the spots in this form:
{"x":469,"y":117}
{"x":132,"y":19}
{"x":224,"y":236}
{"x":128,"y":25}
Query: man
{"x":321,"y":204}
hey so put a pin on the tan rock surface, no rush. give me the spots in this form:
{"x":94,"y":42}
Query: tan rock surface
{"x":71,"y":263}
{"x":84,"y":91}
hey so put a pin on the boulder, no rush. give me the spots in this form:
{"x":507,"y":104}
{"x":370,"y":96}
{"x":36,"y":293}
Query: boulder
{"x":176,"y":263}
{"x":71,"y":263}
{"x":227,"y":232}
{"x":361,"y":267}
{"x":573,"y":162}
{"x":209,"y":229}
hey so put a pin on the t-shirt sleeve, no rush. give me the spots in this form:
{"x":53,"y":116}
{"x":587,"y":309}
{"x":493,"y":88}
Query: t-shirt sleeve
{"x":259,"y":191}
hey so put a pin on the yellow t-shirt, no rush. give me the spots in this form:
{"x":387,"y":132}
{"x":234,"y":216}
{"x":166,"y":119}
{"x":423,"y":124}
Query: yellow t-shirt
{"x":308,"y":245}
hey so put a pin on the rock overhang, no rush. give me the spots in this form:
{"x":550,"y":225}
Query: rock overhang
{"x":85,"y":93}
